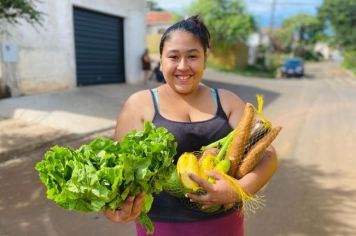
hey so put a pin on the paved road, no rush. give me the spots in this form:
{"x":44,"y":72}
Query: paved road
{"x":312,"y":192}
{"x":24,"y":209}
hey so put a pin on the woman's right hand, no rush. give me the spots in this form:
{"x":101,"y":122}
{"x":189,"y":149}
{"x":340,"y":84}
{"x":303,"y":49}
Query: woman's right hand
{"x":128,"y":211}
{"x":213,"y":151}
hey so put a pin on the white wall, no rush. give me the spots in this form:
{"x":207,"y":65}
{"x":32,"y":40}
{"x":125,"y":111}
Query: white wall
{"x":154,"y":29}
{"x":47,"y":54}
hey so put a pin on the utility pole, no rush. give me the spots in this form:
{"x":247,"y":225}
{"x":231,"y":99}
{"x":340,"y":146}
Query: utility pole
{"x":269,"y":51}
{"x":273,"y":10}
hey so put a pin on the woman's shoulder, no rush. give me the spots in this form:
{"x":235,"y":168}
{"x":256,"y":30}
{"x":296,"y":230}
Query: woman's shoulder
{"x":134,"y":112}
{"x":140,"y":95}
{"x":139,"y":103}
{"x":139,"y":99}
{"x":232,"y":105}
{"x":227,"y":97}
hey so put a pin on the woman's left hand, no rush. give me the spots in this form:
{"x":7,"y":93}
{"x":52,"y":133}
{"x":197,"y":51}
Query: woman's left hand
{"x":221,"y":192}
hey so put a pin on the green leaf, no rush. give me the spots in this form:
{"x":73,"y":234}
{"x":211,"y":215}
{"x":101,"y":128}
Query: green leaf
{"x":103,"y":173}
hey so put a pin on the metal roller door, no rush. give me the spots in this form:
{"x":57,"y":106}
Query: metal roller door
{"x":99,"y":48}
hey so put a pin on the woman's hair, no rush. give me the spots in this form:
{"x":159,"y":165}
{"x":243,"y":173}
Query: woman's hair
{"x":193,"y":25}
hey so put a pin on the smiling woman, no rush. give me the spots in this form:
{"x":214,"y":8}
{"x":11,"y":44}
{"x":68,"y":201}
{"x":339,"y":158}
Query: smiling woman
{"x":196,"y":115}
{"x":183,"y":62}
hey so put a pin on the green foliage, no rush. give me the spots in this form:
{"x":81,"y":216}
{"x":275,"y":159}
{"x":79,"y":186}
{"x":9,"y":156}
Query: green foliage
{"x":307,"y":28}
{"x":176,"y":17}
{"x":152,"y":5}
{"x":103,"y":173}
{"x":349,"y":61}
{"x":249,"y":71}
{"x":226,"y":20}
{"x":299,"y":30}
{"x":13,"y":10}
{"x":340,"y":16}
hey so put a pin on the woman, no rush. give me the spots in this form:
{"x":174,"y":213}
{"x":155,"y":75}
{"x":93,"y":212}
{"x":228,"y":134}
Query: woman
{"x":146,"y":65}
{"x":197,"y":115}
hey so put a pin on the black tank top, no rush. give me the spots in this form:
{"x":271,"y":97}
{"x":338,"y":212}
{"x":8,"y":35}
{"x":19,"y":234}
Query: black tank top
{"x":190,"y":136}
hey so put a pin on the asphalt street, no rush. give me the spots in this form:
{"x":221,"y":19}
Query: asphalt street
{"x":312,"y":192}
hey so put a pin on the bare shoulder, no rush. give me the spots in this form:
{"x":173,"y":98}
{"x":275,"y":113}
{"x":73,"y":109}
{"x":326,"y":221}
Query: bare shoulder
{"x":137,"y":108}
{"x":137,"y":99}
{"x":232,"y":105}
{"x":230,"y":100}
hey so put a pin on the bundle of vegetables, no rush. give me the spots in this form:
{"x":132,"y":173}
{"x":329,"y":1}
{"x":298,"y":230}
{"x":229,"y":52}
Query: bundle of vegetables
{"x":103,"y":173}
{"x":238,"y":154}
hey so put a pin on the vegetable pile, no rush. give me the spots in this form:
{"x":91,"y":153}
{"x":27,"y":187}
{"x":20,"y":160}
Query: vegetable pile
{"x":238,"y":154}
{"x":103,"y":173}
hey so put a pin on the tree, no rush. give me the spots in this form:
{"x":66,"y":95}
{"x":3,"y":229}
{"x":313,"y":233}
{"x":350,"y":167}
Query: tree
{"x":227,"y":20}
{"x":299,"y":30}
{"x":340,"y":16}
{"x":306,"y":28}
{"x":176,"y":17}
{"x":13,"y":10}
{"x":152,"y":5}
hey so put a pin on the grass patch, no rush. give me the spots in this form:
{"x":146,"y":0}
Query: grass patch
{"x":352,"y":69}
{"x":349,"y":61}
{"x":249,"y":71}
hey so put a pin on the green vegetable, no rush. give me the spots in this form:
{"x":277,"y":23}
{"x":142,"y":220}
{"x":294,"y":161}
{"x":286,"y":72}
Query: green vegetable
{"x":174,"y":187}
{"x":223,"y":166}
{"x":103,"y":173}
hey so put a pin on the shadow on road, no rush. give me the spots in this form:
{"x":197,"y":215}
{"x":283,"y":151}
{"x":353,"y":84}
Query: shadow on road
{"x":25,"y":210}
{"x":298,"y":205}
{"x":309,"y":76}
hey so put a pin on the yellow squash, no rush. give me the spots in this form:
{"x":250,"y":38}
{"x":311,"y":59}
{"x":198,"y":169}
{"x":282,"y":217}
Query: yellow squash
{"x":206,"y":162}
{"x":188,"y":163}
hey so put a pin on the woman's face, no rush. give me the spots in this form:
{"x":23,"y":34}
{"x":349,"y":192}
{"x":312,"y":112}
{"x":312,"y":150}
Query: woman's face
{"x":182,"y":62}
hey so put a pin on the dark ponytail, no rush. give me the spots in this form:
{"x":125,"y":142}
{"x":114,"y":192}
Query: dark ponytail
{"x":193,"y":25}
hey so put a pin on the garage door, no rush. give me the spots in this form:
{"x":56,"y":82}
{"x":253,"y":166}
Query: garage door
{"x":99,"y":48}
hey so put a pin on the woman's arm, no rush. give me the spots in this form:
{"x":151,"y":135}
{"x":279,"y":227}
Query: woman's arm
{"x":252,"y":182}
{"x":221,"y":192}
{"x":262,"y":173}
{"x":131,"y":117}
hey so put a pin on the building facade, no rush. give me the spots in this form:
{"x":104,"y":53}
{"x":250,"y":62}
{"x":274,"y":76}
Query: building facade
{"x":79,"y":43}
{"x":157,"y":22}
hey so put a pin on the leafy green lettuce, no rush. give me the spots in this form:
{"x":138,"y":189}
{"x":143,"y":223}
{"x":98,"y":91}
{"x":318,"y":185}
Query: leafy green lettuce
{"x":103,"y":173}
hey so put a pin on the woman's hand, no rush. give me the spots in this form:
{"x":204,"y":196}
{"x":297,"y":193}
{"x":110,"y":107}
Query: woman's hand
{"x":221,"y":192}
{"x":213,"y":151}
{"x":129,"y":210}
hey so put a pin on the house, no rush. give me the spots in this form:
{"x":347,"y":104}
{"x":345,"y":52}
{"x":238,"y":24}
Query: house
{"x":80,"y":43}
{"x":324,"y":49}
{"x":157,"y":22}
{"x":254,"y":41}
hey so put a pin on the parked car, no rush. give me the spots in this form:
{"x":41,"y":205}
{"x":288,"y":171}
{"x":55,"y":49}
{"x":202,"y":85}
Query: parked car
{"x":292,"y":67}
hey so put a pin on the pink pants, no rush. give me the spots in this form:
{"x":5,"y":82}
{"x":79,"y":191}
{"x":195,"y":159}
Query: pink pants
{"x":230,"y":225}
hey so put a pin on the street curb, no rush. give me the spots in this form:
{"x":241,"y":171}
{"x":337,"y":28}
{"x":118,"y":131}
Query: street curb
{"x":15,"y":153}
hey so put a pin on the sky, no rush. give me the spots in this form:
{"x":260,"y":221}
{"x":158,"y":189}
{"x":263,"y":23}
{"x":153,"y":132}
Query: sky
{"x":261,"y":9}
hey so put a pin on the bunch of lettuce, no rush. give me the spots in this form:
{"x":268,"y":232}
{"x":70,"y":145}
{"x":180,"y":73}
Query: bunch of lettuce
{"x":103,"y":173}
